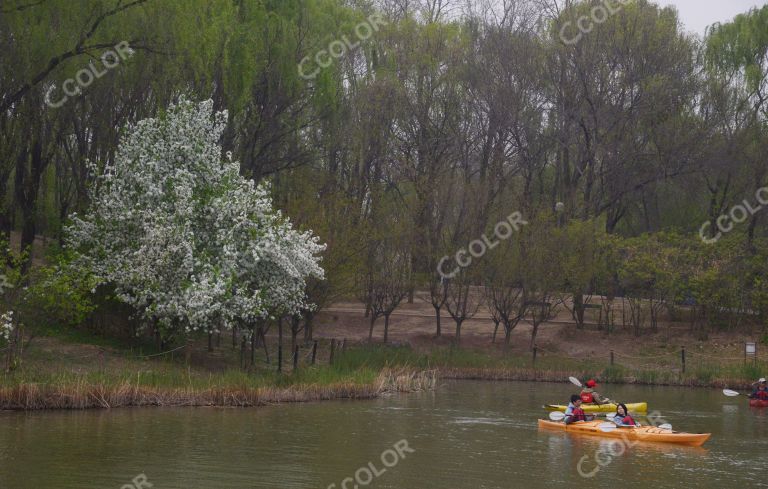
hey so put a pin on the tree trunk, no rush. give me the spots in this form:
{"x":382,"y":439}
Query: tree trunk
{"x":242,"y":353}
{"x":158,"y":338}
{"x":308,"y":327}
{"x":495,"y":330}
{"x":439,"y":332}
{"x":5,"y":211}
{"x":187,"y":350}
{"x":578,"y":309}
{"x":264,"y":343}
{"x":457,"y":339}
{"x":253,"y":348}
{"x":279,"y":344}
{"x":386,"y":327}
{"x":370,"y":331}
{"x":295,"y":323}
{"x":27,"y":187}
{"x":534,"y":333}
{"x":259,"y":332}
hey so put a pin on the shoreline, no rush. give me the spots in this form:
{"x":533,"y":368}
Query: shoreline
{"x":29,"y":397}
{"x":81,"y":395}
{"x":546,"y":376}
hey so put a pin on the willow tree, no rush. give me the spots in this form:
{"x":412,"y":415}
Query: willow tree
{"x":738,"y":53}
{"x":66,"y":97}
{"x":632,"y":75}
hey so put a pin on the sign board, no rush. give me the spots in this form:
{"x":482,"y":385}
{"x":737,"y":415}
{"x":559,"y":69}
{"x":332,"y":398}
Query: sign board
{"x":750,"y":349}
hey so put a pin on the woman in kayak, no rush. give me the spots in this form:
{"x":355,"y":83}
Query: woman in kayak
{"x":622,"y":417}
{"x":760,"y":392}
{"x":590,"y":396}
{"x":574,"y":413}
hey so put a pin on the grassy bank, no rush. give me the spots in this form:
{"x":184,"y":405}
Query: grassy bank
{"x":64,"y":379}
{"x":481,"y":365}
{"x":230,"y":389}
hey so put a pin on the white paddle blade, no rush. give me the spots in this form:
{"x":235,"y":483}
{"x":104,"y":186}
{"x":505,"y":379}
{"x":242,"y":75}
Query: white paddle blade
{"x":730,"y":393}
{"x":665,"y":426}
{"x":607,"y":427}
{"x":575,"y":381}
{"x":556,"y":416}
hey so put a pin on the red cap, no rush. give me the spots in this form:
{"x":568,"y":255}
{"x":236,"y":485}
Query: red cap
{"x":591,"y":383}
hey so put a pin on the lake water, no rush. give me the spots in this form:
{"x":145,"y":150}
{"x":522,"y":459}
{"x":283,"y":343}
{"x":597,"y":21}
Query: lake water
{"x":466,"y":435}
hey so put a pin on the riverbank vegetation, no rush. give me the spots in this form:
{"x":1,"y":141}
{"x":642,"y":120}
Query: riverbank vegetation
{"x":60,"y":374}
{"x":221,"y":179}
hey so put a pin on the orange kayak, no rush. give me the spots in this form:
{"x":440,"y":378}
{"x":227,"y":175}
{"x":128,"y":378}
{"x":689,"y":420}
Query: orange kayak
{"x":634,"y":433}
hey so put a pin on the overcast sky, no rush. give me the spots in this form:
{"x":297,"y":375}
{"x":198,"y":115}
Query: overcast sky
{"x":698,"y":14}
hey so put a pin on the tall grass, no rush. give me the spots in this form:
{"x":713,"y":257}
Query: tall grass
{"x":363,"y":371}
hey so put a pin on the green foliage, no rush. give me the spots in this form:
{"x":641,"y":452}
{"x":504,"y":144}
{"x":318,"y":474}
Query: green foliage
{"x":11,"y":272}
{"x":742,"y":45}
{"x":580,"y":260}
{"x":59,"y":296}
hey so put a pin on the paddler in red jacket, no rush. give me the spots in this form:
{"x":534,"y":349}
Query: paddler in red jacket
{"x":590,"y":396}
{"x":622,"y":416}
{"x":574,"y":413}
{"x":760,"y":392}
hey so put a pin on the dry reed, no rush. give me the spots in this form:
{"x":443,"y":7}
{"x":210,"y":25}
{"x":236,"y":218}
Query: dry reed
{"x":85,"y":395}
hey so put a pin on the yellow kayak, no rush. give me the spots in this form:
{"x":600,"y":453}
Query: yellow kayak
{"x":635,"y":433}
{"x":635,"y":407}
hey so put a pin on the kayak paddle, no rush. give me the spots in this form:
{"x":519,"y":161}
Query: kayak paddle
{"x":556,"y":416}
{"x":575,"y":381}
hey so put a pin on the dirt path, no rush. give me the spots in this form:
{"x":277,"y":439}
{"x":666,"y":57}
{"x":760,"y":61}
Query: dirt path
{"x":414,"y":324}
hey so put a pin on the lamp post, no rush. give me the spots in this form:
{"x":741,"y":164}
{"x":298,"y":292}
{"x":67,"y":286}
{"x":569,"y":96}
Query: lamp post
{"x":559,"y":210}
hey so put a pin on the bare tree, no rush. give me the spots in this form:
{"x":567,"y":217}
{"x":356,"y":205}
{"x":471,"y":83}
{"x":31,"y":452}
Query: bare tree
{"x":385,"y":284}
{"x":504,"y":289}
{"x":541,"y":308}
{"x":507,"y":303}
{"x":462,"y":301}
{"x":437,"y":297}
{"x":542,"y":255}
{"x":395,"y":285}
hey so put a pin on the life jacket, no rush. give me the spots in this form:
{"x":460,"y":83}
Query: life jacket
{"x":761,"y":395}
{"x":586,"y":397}
{"x":627,"y":420}
{"x":578,"y":415}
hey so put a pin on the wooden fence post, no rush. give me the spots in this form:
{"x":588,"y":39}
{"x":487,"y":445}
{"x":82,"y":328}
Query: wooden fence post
{"x":611,"y":358}
{"x":682,"y":353}
{"x":314,"y":352}
{"x":296,"y":357}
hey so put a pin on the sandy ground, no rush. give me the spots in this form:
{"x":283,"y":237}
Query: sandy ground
{"x":414,"y":324}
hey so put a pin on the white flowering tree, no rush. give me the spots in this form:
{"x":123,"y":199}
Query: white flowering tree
{"x":183,"y":237}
